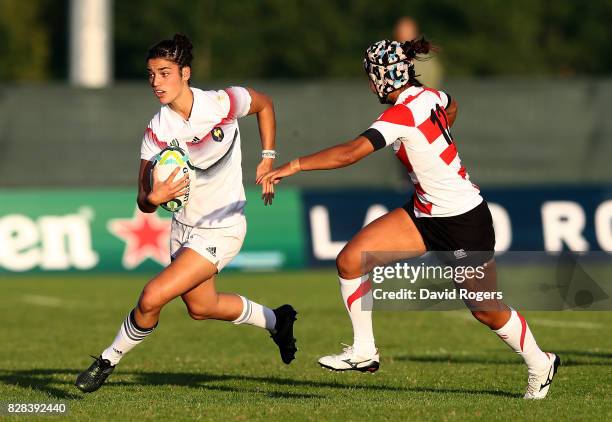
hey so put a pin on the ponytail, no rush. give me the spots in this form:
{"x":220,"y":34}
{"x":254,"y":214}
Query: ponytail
{"x":417,"y":46}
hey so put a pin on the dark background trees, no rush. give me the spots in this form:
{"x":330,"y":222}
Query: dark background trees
{"x":286,"y":39}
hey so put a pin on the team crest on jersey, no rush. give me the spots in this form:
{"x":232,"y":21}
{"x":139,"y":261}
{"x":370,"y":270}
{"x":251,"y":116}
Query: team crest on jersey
{"x":217,"y":134}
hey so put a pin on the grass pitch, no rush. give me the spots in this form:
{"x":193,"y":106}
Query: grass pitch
{"x":434,"y":365}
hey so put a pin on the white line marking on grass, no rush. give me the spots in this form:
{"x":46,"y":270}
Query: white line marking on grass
{"x":566,"y":324}
{"x":53,"y":302}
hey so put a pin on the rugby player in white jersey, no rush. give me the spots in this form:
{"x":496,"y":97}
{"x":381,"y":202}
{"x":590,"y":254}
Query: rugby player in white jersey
{"x":209,"y":231}
{"x":446,"y":214}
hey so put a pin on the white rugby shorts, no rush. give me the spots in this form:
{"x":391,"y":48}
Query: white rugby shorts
{"x":217,"y":245}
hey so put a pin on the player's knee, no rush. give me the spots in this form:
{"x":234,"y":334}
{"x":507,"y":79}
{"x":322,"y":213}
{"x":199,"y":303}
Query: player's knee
{"x":348,"y":263}
{"x":150,"y":301}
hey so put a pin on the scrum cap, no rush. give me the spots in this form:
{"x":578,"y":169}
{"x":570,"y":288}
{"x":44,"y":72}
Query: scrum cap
{"x":387,"y":66}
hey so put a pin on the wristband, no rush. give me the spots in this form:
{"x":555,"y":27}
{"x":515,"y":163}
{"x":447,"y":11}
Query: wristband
{"x":268,"y":153}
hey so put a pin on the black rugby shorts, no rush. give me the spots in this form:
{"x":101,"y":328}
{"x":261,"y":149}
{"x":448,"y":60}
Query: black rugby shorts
{"x":465,"y":239}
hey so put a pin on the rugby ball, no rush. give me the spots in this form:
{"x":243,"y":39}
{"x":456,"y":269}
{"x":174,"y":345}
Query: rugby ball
{"x":164,"y":164}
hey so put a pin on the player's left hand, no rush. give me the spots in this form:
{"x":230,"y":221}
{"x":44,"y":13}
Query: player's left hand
{"x":264,"y":167}
{"x":267,"y":189}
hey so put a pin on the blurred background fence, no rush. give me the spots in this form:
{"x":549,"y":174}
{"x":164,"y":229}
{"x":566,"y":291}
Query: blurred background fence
{"x":509,"y":132}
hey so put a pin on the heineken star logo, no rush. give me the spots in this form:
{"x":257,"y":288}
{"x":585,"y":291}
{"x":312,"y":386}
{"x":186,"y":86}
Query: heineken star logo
{"x":145,"y":236}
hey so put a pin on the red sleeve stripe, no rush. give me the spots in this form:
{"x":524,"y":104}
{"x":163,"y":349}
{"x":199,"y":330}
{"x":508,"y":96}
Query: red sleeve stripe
{"x":152,"y":136}
{"x":462,"y":172}
{"x":398,"y":115}
{"x":449,"y":154}
{"x":231,"y":114}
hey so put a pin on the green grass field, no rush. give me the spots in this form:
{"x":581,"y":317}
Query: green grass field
{"x":434,"y":365}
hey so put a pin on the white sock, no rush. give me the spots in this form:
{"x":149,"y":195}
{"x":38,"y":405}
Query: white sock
{"x":128,"y":337}
{"x":257,"y":315}
{"x":357,"y":297}
{"x":516,"y":334}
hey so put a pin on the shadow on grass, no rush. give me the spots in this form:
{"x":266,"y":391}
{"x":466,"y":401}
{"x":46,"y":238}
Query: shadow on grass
{"x":568,"y":358}
{"x":52,"y":383}
{"x":577,"y":357}
{"x":44,"y":380}
{"x":587,"y":353}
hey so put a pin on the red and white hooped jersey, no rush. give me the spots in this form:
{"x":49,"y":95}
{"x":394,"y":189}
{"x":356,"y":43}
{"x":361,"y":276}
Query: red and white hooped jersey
{"x":417,"y":127}
{"x":211,"y":137}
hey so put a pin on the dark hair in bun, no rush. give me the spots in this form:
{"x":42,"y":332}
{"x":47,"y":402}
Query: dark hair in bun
{"x":177,"y":50}
{"x":412,"y":49}
{"x":419,"y":45}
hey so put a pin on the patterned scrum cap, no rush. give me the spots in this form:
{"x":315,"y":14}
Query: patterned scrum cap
{"x":387,"y":66}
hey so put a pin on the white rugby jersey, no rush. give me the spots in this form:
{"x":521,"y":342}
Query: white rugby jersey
{"x":417,"y":127}
{"x":212,"y":139}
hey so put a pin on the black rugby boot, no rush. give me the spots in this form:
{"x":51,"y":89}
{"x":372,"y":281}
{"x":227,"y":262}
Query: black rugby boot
{"x":285,"y":317}
{"x":93,"y":377}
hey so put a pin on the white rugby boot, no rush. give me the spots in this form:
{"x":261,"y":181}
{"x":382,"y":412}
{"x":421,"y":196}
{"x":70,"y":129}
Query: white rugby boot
{"x":348,"y":360}
{"x":539,"y":381}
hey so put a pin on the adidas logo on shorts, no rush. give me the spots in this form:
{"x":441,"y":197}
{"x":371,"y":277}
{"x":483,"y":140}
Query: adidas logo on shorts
{"x":460,"y":253}
{"x":212,"y":250}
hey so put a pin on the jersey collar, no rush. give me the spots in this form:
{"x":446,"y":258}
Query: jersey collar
{"x":411,"y":91}
{"x":193,"y":108}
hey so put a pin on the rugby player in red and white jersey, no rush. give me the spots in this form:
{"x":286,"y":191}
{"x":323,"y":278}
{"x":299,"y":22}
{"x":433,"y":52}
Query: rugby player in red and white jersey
{"x":208,"y":233}
{"x":446,"y":213}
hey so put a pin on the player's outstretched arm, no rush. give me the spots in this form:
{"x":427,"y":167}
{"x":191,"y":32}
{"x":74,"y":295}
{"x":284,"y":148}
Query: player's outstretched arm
{"x":338,"y":156}
{"x":331,"y":158}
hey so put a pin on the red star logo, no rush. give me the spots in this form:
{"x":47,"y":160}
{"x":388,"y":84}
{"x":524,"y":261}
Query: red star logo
{"x":145,"y":236}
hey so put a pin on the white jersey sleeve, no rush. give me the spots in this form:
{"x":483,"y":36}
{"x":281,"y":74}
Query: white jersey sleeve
{"x":150,"y":144}
{"x":238,"y":102}
{"x":393,"y":124}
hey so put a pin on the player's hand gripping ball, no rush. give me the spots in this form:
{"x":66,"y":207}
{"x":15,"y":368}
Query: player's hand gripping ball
{"x":166,"y":162}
